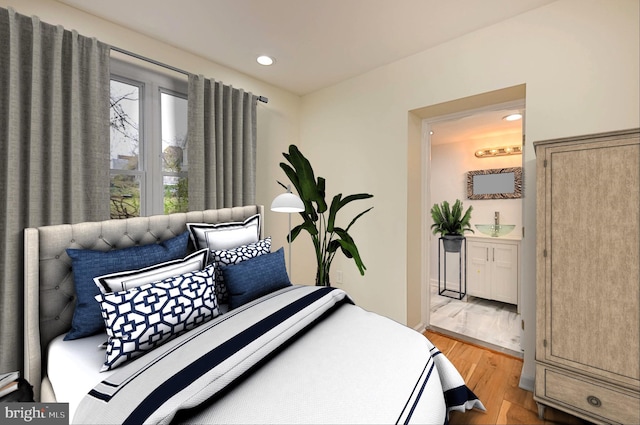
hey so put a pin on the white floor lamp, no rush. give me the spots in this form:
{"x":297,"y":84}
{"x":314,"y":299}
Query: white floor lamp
{"x":288,"y":203}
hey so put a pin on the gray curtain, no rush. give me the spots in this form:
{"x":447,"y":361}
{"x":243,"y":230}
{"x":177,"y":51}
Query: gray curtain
{"x":221,"y":145}
{"x":54,"y":130}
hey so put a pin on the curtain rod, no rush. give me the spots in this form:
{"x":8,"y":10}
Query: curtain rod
{"x":164,"y":65}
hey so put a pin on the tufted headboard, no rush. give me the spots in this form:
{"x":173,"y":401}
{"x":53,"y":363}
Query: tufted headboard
{"x":48,"y":278}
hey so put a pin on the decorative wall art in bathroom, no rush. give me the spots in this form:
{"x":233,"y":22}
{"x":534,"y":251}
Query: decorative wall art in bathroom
{"x":497,"y":183}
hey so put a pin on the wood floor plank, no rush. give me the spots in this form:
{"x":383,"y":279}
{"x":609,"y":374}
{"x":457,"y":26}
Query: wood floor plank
{"x":494,"y":377}
{"x":517,"y":395}
{"x":514,"y":414}
{"x":444,"y":344}
{"x":489,"y":383}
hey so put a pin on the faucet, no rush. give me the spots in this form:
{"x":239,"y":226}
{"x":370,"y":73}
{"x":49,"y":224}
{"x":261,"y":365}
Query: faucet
{"x":496,"y":217}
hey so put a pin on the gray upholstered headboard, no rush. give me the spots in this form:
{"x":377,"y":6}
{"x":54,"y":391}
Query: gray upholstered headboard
{"x":48,"y":278}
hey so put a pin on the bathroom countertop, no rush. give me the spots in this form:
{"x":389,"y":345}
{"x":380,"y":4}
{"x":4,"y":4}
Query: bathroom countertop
{"x":513,"y":236}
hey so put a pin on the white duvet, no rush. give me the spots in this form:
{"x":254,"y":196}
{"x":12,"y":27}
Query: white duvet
{"x":73,"y":367}
{"x":352,"y":366}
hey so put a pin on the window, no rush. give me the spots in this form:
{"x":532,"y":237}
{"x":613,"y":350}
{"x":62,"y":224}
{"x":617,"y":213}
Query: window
{"x":149,"y":162}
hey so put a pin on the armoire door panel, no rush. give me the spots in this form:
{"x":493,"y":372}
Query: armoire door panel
{"x":593,"y":259}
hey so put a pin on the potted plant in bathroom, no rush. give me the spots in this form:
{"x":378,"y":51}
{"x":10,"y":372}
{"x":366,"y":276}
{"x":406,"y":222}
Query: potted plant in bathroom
{"x":451,"y":223}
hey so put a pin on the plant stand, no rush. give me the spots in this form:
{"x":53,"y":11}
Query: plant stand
{"x":461,"y":290}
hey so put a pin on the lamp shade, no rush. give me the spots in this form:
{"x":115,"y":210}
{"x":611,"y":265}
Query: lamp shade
{"x":287,"y":203}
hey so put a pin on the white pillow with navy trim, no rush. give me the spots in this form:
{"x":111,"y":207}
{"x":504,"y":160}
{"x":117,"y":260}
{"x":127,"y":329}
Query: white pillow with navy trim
{"x":121,"y":281}
{"x":225,"y":235}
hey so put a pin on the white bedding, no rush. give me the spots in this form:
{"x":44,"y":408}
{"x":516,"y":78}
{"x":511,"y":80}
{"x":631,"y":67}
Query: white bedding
{"x":74,"y":368}
{"x":345,"y":371}
{"x":322,"y":360}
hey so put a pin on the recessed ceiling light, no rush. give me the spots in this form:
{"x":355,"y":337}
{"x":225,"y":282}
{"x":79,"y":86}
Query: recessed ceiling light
{"x":512,"y":117}
{"x":265,"y":60}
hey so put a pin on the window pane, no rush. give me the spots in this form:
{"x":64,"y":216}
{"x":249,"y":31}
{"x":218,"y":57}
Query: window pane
{"x":125,"y":120}
{"x":176,"y":194}
{"x":174,"y":133}
{"x":125,"y":196}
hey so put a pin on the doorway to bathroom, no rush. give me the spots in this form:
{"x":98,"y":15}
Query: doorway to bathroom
{"x":483,"y":141}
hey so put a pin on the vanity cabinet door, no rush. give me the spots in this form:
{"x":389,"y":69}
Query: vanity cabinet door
{"x":492,"y":271}
{"x":504,"y":272}
{"x":478,"y":270}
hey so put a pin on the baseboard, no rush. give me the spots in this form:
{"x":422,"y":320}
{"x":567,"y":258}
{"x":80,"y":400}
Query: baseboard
{"x":420,"y":327}
{"x":448,"y":285}
{"x":527,"y":383}
{"x":478,"y":343}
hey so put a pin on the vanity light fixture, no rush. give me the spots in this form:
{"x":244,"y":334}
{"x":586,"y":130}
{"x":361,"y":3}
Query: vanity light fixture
{"x":500,"y":151}
{"x":265,"y":60}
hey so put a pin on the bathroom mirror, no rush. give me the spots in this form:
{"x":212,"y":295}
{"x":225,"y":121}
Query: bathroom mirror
{"x":497,"y":183}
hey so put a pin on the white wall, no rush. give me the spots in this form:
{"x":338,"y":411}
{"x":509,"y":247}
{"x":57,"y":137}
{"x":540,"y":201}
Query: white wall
{"x":278,"y":120}
{"x":579,"y":60}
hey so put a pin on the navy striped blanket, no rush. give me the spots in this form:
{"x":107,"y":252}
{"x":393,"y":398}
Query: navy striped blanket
{"x":303,"y":354}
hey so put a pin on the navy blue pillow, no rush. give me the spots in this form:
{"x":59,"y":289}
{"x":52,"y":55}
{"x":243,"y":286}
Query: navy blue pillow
{"x":255,"y":277}
{"x":87,"y":264}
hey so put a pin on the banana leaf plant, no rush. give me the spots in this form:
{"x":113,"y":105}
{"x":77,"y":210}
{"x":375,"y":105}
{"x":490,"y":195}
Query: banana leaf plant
{"x":319,"y":218}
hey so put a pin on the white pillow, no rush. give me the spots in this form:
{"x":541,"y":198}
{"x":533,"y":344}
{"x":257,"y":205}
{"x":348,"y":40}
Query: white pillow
{"x":225,"y":235}
{"x":121,"y":281}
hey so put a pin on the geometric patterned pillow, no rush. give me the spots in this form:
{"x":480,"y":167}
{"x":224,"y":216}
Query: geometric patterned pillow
{"x":142,"y":318}
{"x":234,"y":256}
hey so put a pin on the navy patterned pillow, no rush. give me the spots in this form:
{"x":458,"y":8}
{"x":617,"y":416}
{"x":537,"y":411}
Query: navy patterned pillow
{"x":255,"y":277}
{"x":142,"y":318}
{"x":87,"y":264}
{"x":234,"y":256}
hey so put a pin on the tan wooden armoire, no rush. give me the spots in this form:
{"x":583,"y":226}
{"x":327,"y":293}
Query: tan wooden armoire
{"x":588,"y":276}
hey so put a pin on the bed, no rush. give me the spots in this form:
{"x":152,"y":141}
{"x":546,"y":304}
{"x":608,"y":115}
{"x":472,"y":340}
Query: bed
{"x":253,"y":348}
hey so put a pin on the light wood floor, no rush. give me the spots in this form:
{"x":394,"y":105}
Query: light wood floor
{"x":494,"y":378}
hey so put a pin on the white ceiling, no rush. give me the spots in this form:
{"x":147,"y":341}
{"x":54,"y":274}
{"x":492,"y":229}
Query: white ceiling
{"x":484,"y":125}
{"x":316,"y":43}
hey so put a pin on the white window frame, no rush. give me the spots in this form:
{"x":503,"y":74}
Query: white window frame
{"x":151,"y":84}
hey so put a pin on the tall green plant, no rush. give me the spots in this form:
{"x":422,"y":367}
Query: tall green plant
{"x":319,"y":218}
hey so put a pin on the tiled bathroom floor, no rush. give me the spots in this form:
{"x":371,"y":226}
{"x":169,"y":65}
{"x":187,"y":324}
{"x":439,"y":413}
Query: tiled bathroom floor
{"x":484,"y":322}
